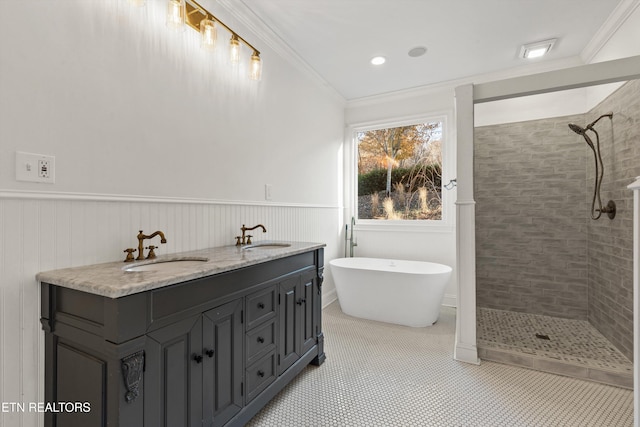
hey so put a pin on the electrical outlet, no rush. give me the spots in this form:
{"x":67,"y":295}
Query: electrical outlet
{"x":44,"y":169}
{"x":35,"y":167}
{"x":267,"y":191}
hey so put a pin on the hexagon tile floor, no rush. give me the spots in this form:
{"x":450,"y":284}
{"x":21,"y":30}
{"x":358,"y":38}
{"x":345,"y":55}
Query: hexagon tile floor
{"x":379,"y":374}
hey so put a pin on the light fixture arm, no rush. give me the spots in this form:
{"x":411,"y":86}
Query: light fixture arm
{"x":196,"y":13}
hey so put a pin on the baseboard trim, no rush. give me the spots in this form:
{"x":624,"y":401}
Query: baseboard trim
{"x":467,"y":354}
{"x":329,"y":297}
{"x":450,"y":300}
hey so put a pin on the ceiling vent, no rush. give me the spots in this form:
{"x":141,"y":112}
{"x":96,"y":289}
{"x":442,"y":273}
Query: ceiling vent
{"x":537,"y":49}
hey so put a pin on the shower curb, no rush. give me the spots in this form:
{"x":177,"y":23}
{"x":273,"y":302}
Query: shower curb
{"x":545,"y":364}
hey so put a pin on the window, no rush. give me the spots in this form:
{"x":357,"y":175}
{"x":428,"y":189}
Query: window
{"x":399,"y":172}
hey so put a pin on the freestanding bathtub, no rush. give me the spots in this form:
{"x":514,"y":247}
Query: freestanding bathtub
{"x":395,"y":291}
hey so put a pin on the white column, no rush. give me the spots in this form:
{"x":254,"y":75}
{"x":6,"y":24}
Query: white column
{"x":466,"y":349}
{"x":636,"y":300}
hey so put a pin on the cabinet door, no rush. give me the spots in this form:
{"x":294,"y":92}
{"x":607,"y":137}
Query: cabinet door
{"x":223,"y":363}
{"x":307,"y":318}
{"x":173,"y":377}
{"x":82,"y":377}
{"x":289,"y":323}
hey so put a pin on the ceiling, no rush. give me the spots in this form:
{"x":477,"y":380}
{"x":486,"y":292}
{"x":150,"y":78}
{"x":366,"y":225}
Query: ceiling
{"x":337,"y":38}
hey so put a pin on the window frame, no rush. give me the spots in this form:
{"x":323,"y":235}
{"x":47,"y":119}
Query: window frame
{"x":448,"y":173}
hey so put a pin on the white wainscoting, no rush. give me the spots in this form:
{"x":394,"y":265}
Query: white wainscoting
{"x":44,"y":231}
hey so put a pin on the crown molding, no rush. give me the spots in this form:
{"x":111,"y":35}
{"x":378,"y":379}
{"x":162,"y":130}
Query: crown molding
{"x":623,"y":10}
{"x":240,"y":11}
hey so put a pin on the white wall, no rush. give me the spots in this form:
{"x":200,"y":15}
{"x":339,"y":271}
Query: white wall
{"x":127,"y":106}
{"x":534,"y":107}
{"x":543,"y":106}
{"x":147,"y":134}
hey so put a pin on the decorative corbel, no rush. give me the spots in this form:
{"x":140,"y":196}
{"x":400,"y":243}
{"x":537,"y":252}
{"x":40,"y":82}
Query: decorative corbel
{"x":132,"y":368}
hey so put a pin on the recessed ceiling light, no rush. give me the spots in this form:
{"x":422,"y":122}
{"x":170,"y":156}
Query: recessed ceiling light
{"x":378,"y":60}
{"x":417,"y":51}
{"x":537,"y":49}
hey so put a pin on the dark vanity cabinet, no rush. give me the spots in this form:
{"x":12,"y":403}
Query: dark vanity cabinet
{"x":206,"y":352}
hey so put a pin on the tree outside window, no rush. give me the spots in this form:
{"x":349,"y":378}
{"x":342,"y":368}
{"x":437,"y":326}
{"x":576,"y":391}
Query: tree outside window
{"x":399,"y":172}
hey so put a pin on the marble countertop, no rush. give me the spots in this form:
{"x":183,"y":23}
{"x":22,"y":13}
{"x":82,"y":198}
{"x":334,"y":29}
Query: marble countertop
{"x":112,"y":280}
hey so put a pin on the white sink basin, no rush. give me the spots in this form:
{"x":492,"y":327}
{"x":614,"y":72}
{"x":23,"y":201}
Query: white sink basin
{"x":177,"y":264}
{"x":270,"y":245}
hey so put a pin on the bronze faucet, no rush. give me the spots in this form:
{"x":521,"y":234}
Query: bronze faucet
{"x":246,"y":240}
{"x":142,"y":237}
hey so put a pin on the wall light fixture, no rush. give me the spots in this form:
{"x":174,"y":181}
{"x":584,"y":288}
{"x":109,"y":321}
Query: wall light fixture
{"x":176,"y":15}
{"x":191,"y":13}
{"x":208,"y":34}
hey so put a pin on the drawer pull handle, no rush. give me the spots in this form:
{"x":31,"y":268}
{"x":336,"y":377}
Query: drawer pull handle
{"x":261,"y":374}
{"x":196,"y":357}
{"x":209,"y":353}
{"x":301,"y":301}
{"x":260,"y":305}
{"x":260,"y":340}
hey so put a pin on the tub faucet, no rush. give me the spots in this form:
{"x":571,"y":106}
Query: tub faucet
{"x":141,"y":239}
{"x":352,"y":242}
{"x":246,"y":240}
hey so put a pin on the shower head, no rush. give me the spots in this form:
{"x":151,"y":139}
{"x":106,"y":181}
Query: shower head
{"x":577,"y":129}
{"x":581,"y":131}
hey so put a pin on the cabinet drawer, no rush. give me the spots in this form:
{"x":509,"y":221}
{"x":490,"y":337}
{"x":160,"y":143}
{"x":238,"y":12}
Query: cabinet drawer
{"x":260,"y":375}
{"x":261,"y":306}
{"x":260,"y":341}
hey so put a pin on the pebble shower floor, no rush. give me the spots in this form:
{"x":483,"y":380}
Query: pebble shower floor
{"x":570,"y":347}
{"x":379,"y":374}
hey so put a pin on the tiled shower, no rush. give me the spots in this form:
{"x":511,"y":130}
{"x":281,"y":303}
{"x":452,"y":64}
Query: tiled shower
{"x":538,"y":251}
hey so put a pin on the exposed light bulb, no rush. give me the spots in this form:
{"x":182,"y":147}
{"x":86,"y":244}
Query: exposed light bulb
{"x":234,"y":49}
{"x":255,"y":67}
{"x":176,"y":14}
{"x":209,"y":34}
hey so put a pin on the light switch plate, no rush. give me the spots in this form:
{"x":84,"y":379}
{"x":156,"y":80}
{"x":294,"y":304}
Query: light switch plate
{"x":35,"y":167}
